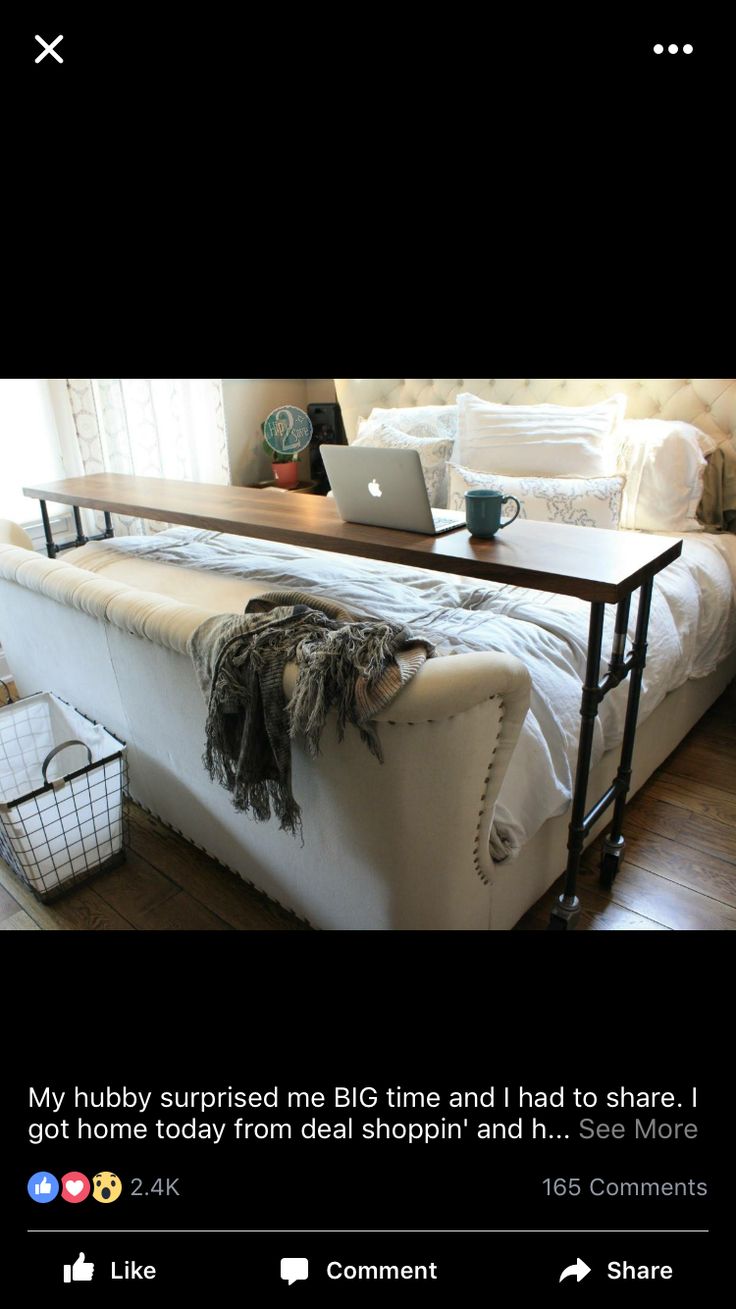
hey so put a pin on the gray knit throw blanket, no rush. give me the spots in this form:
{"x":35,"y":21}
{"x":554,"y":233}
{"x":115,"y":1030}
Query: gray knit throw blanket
{"x":354,"y":664}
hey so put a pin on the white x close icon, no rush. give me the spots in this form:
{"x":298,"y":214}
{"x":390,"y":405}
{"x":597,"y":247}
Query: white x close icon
{"x":49,"y":49}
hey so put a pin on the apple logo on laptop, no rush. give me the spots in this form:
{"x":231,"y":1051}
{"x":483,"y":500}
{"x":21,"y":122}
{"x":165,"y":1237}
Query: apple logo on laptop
{"x":375,"y":489}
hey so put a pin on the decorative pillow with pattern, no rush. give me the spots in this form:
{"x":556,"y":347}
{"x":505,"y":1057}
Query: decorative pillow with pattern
{"x":434,"y":453}
{"x":580,"y":501}
{"x":425,"y":421}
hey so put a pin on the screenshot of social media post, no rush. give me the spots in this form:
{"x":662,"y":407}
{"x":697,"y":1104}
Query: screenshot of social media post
{"x":423,"y":1136}
{"x":367,"y":835}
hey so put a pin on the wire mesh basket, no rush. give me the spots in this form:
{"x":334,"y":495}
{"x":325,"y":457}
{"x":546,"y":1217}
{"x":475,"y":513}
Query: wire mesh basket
{"x":63,"y":780}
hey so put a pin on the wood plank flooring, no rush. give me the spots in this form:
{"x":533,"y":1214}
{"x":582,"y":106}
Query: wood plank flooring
{"x":679,"y":872}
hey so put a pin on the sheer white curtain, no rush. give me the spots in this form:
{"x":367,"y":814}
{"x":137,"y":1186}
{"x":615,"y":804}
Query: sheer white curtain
{"x":29,"y":445}
{"x":150,"y":427}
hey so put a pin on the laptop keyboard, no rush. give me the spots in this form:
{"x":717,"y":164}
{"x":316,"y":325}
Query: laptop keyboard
{"x":445,"y":521}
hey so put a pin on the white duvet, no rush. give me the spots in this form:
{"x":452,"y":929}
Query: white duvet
{"x":692,"y":629}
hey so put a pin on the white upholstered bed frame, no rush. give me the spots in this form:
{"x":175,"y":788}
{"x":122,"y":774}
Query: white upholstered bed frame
{"x":709,"y":403}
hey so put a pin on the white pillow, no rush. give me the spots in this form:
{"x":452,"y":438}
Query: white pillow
{"x":434,"y":453}
{"x":538,"y":440}
{"x":422,"y":420}
{"x":582,"y":502}
{"x":664,"y":465}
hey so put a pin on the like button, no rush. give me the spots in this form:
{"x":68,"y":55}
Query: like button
{"x":78,"y":1272}
{"x":42,"y":1187}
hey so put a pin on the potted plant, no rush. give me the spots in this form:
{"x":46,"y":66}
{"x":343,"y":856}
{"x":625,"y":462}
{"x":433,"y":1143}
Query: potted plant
{"x":285,"y":466}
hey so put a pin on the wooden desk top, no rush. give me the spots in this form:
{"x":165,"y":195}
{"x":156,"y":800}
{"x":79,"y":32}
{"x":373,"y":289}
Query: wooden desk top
{"x":585,"y":562}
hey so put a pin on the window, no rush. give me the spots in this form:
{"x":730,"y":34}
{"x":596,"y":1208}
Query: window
{"x":29,"y":445}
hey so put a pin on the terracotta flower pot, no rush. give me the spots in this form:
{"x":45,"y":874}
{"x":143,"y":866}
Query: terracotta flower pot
{"x":286,"y":474}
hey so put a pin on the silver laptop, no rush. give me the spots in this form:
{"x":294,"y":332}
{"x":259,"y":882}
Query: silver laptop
{"x":384,"y":488}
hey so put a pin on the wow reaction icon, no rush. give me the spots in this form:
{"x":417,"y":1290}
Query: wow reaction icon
{"x":106,"y":1187}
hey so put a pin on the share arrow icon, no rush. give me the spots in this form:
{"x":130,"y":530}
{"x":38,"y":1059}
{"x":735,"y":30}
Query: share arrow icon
{"x":578,"y":1270}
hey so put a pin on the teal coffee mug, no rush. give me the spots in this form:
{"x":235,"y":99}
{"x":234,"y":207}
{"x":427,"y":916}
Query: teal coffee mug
{"x":483,"y":512}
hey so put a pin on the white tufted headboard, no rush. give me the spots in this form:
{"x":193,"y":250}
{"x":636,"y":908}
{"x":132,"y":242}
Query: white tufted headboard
{"x":709,"y":403}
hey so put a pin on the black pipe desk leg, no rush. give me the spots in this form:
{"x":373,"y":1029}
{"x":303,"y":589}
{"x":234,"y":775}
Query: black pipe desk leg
{"x":109,"y":530}
{"x":614,"y":843}
{"x":567,"y":909}
{"x":51,"y":549}
{"x":81,"y":538}
{"x":618,"y":654}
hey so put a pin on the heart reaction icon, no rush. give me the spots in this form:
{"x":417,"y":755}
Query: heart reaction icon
{"x":75,"y":1187}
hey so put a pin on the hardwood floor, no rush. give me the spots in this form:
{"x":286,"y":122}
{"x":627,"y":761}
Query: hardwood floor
{"x":679,"y":872}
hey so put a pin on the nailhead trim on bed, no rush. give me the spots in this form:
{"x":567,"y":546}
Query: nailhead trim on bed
{"x":476,"y":847}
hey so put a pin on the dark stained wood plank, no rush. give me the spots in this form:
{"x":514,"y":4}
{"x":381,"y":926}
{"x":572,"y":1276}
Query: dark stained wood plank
{"x":205,"y":880}
{"x":710,"y":836}
{"x":671,"y":903}
{"x":134,"y":888}
{"x":181,"y":913}
{"x":711,"y":733}
{"x":700,"y":762}
{"x":84,"y":910}
{"x":689,"y":867}
{"x":595,"y":564}
{"x":655,"y":816}
{"x":696,"y":797}
{"x":688,"y":830}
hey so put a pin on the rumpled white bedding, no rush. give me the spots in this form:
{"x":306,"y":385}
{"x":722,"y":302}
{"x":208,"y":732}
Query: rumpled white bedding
{"x":692,"y":629}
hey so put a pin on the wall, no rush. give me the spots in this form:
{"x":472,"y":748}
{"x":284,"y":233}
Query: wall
{"x":248,"y":400}
{"x":320,"y":390}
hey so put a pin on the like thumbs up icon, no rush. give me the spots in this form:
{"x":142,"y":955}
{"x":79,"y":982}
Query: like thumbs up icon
{"x":78,"y":1272}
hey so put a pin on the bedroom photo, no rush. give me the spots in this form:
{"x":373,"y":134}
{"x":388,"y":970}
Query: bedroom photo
{"x":367,"y":654}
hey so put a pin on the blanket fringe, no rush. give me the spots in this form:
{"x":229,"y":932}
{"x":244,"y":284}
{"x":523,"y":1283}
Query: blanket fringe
{"x":353,"y":666}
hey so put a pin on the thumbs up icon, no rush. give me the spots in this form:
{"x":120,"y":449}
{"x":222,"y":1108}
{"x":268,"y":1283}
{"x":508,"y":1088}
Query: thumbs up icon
{"x":78,"y":1272}
{"x":43,"y":1187}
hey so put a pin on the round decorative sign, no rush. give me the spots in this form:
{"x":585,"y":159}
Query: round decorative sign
{"x":288,"y":430}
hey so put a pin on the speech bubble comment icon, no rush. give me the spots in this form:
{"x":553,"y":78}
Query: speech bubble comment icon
{"x":294,"y":1270}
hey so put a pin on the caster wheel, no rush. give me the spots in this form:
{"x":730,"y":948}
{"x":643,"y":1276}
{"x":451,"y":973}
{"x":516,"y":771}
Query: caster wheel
{"x":609,"y":869}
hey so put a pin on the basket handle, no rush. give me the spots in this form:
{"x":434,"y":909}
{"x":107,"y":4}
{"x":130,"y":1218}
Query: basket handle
{"x":64,"y":745}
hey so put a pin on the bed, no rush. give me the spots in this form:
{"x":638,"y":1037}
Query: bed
{"x":424,"y":854}
{"x":682,"y":693}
